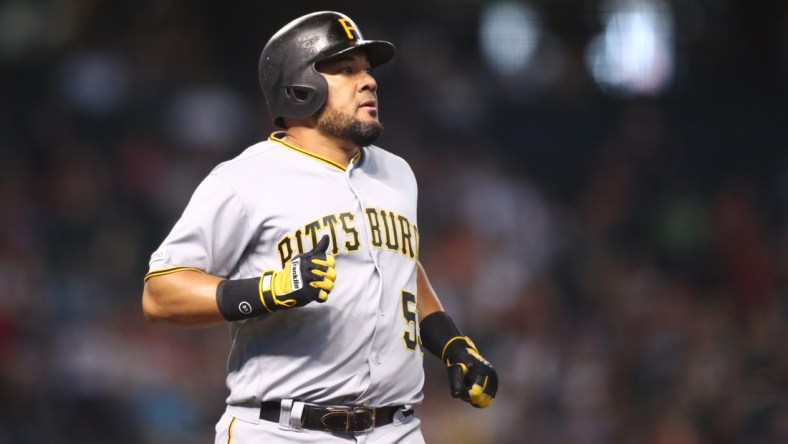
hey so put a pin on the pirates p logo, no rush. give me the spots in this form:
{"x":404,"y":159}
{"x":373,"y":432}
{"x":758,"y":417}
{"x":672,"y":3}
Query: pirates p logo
{"x":347,"y":25}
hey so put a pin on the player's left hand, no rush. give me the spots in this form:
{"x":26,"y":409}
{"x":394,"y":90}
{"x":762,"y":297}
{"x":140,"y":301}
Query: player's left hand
{"x":471,"y":377}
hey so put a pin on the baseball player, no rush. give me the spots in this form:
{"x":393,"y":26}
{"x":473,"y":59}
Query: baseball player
{"x":307,"y":245}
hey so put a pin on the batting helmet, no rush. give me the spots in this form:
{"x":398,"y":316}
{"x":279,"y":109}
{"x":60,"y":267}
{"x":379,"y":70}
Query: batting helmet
{"x":290,"y":82}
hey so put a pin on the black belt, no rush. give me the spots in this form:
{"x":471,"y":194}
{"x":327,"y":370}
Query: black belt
{"x":337,"y":419}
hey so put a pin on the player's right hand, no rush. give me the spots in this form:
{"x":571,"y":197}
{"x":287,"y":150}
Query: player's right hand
{"x":305,"y":278}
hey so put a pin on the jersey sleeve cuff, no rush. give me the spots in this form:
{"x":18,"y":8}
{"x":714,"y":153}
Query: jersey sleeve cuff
{"x":169,"y":270}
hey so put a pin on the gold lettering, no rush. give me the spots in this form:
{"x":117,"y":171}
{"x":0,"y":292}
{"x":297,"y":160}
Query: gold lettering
{"x":407,"y":245}
{"x":331,"y":222}
{"x":374,"y":227}
{"x":311,"y":229}
{"x":299,"y":241}
{"x":285,"y":250}
{"x":347,"y":227}
{"x":392,"y":240}
{"x":346,"y":25}
{"x":416,"y":242}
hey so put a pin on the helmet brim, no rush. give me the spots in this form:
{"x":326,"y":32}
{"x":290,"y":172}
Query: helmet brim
{"x":378,"y":51}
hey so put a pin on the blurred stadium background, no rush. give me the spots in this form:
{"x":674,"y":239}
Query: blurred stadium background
{"x":603,"y":194}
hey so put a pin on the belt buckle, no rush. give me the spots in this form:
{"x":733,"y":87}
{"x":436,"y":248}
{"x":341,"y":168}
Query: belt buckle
{"x":350,"y":419}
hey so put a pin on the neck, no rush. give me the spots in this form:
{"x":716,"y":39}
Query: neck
{"x":317,"y":142}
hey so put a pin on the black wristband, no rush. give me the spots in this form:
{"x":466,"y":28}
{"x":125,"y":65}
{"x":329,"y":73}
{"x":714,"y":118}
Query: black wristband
{"x":239,"y":299}
{"x":436,"y":330}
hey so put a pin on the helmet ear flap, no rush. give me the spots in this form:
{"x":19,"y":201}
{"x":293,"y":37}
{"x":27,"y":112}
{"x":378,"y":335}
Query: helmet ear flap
{"x":302,"y":98}
{"x":297,"y":94}
{"x":294,"y":97}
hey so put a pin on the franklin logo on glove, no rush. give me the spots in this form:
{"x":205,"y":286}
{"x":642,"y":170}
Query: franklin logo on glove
{"x":295,"y":274}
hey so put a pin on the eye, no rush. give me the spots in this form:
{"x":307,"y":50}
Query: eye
{"x":347,"y":70}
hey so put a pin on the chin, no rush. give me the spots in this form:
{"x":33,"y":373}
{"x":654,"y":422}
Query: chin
{"x":366,"y":117}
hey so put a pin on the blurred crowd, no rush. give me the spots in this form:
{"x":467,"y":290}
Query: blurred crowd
{"x":623,"y":262}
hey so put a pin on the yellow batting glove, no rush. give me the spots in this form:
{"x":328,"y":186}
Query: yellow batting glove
{"x":471,"y":377}
{"x":307,"y":277}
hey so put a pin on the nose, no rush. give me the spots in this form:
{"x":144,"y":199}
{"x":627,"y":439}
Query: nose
{"x":368,"y":82}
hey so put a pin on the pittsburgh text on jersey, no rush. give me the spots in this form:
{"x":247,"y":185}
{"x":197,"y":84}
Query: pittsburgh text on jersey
{"x":386,"y":229}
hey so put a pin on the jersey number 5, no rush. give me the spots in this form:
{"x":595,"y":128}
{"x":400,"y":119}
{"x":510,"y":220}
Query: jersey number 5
{"x":410,"y":337}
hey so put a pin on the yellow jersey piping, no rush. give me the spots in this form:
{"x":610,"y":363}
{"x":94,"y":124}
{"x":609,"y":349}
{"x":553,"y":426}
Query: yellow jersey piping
{"x":170,"y":270}
{"x":230,"y":431}
{"x":274,"y":138}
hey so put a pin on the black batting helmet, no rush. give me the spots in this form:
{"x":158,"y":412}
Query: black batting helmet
{"x":291,"y":85}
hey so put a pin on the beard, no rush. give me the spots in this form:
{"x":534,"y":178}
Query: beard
{"x":348,"y":128}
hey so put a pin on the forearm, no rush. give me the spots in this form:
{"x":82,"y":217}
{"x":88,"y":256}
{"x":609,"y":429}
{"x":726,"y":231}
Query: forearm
{"x":439,"y":329}
{"x":192,"y":299}
{"x":428,"y":302}
{"x":185,"y":298}
{"x":471,"y":377}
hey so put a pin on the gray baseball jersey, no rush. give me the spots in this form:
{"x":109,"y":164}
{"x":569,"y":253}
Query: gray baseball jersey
{"x":274,"y":201}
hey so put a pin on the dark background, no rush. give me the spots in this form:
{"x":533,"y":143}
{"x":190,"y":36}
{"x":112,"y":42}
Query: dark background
{"x":621,"y":259}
